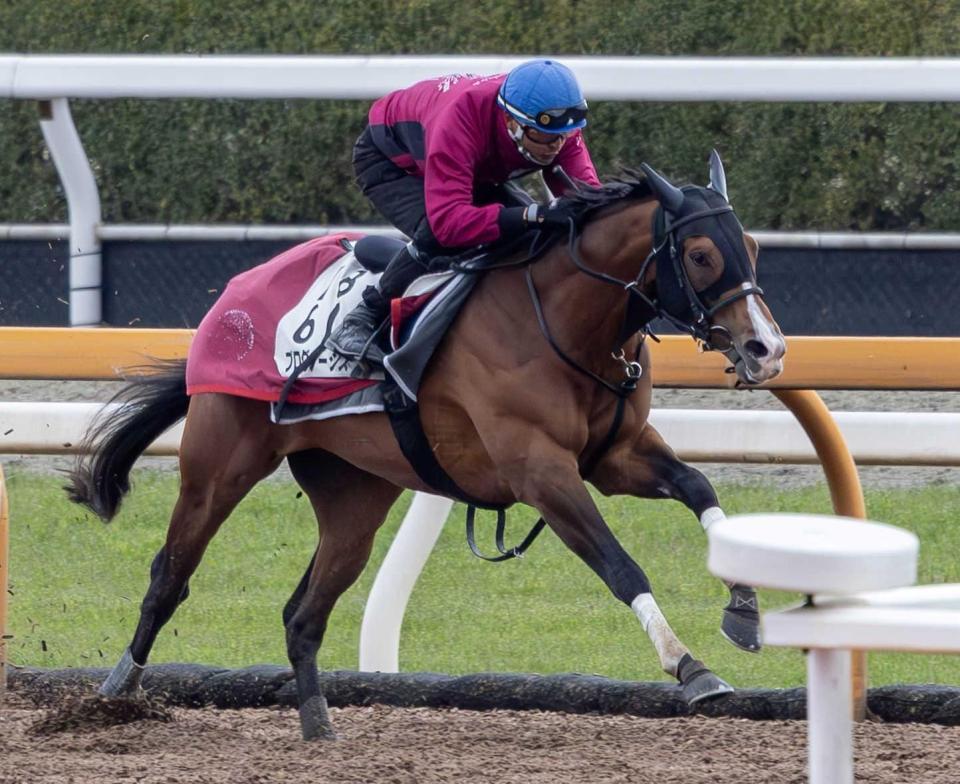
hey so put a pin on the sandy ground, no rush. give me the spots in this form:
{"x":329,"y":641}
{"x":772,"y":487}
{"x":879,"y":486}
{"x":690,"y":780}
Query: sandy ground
{"x":782,"y":475}
{"x":403,"y":745}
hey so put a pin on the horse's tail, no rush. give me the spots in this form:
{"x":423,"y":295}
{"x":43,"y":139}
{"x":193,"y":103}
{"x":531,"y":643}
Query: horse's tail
{"x":153,"y":402}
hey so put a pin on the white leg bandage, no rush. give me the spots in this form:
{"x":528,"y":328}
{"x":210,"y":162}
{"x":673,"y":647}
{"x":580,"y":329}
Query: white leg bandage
{"x":668,"y":647}
{"x":710,"y":516}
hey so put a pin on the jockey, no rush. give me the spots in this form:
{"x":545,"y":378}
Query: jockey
{"x":434,"y":159}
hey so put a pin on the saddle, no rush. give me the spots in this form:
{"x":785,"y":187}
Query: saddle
{"x":375,"y":251}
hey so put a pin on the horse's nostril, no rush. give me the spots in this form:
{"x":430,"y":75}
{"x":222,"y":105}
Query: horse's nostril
{"x":756,"y":349}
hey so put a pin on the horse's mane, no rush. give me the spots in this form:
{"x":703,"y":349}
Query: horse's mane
{"x":588,"y":199}
{"x":628,"y":184}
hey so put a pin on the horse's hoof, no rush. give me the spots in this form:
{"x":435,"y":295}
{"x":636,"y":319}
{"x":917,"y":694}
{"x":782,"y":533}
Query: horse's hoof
{"x":698,"y":683}
{"x":124,"y":678}
{"x":741,"y":619}
{"x":319,"y":733}
{"x":314,"y":720}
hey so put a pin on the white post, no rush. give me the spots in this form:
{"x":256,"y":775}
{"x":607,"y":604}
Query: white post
{"x":829,"y":708}
{"x":83,"y":204}
{"x":383,"y":617}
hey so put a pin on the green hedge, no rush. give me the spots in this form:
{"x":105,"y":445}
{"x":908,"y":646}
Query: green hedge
{"x":790,"y":166}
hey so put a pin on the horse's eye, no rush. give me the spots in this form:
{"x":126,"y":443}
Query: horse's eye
{"x":700,"y":258}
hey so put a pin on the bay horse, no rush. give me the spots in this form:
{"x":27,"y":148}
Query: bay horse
{"x":516,"y":402}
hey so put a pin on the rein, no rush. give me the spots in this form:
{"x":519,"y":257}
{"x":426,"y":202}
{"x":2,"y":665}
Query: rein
{"x":632,"y":370}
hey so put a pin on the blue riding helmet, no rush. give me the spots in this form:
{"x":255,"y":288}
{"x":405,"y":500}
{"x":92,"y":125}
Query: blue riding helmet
{"x":544,"y":94}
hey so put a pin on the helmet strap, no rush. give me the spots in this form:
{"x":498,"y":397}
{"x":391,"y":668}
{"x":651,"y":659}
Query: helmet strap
{"x":515,"y":130}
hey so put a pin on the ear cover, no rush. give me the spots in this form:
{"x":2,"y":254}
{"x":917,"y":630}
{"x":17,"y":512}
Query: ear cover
{"x":668,"y":194}
{"x":718,"y":179}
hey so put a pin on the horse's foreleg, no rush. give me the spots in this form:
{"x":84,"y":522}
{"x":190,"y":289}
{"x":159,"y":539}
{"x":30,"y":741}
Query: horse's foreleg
{"x":551,"y":483}
{"x":350,"y":506}
{"x":216,"y":473}
{"x":648,"y":468}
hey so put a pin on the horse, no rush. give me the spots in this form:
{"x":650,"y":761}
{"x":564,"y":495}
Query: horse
{"x":541,"y":385}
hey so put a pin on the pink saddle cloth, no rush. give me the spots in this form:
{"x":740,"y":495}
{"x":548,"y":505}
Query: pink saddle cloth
{"x":257,"y":331}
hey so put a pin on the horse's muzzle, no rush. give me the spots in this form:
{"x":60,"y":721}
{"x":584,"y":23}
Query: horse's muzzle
{"x":757,"y":361}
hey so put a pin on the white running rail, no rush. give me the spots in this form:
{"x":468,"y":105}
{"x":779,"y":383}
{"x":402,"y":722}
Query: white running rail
{"x":54,"y":79}
{"x":697,"y":435}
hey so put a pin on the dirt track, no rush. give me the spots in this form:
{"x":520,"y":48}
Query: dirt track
{"x":382,"y":744}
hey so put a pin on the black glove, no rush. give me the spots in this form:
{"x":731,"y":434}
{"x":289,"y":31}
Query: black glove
{"x":552,"y":216}
{"x":516,"y":220}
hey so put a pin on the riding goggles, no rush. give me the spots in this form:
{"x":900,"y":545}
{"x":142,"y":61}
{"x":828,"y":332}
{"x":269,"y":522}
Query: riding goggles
{"x":549,"y":120}
{"x":557,"y":120}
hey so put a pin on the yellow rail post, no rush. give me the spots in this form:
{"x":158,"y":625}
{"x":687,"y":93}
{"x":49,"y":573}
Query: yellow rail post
{"x":845,"y":492}
{"x":4,"y":581}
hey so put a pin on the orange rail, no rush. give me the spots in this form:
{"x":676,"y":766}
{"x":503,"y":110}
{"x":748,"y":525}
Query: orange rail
{"x":811,"y":362}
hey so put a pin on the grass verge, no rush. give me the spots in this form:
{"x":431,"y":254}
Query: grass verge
{"x":76,"y":586}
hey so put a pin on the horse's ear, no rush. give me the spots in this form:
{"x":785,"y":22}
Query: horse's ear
{"x":668,"y":194}
{"x":718,"y":180}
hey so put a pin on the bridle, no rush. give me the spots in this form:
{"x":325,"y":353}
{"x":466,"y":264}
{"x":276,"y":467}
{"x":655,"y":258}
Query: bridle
{"x":667,"y":254}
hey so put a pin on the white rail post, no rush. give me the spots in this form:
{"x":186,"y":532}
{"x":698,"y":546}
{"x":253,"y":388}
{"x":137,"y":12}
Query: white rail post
{"x":819,"y":556}
{"x":829,"y":705}
{"x":383,"y":616}
{"x":83,"y":204}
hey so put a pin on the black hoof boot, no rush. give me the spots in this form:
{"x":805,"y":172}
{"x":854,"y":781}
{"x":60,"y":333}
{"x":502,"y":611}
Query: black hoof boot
{"x":698,"y":683}
{"x":741,"y":619}
{"x":353,"y":339}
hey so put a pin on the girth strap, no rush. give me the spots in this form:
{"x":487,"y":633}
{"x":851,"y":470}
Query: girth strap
{"x":404,"y":415}
{"x":585,"y":471}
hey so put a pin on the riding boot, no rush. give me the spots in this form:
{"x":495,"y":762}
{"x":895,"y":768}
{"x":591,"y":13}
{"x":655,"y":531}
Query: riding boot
{"x":353,"y":339}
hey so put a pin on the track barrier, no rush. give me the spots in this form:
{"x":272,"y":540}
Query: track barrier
{"x":696,"y":435}
{"x":192,"y":685}
{"x":811,"y":362}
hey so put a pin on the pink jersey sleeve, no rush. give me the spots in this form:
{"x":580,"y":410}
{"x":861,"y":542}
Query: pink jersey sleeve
{"x":575,"y":160}
{"x":453,"y":152}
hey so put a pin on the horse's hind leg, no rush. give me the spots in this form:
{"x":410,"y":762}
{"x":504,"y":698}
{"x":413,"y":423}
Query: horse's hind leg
{"x":350,"y":505}
{"x":219,"y":464}
{"x":652,"y":470}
